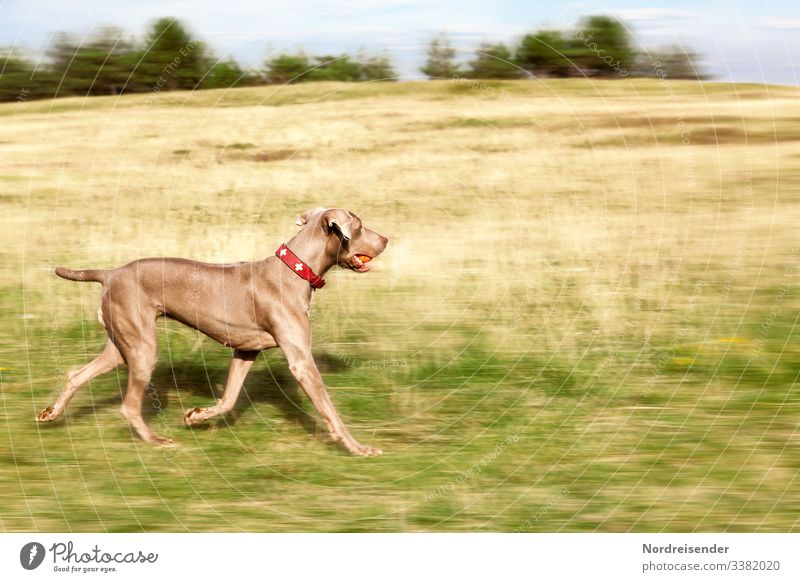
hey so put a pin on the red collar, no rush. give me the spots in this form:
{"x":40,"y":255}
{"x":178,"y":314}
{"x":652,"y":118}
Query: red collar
{"x":298,"y":267}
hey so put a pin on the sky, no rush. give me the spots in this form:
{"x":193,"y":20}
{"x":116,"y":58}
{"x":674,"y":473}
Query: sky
{"x":745,"y":41}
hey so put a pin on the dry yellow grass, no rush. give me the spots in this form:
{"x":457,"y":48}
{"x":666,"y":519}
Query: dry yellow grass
{"x":565,"y":258}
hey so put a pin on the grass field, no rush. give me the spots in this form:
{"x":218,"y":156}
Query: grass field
{"x":586,"y":319}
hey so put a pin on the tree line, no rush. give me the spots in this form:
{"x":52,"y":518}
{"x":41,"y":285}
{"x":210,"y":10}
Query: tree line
{"x":600,"y":47}
{"x":170,"y":58}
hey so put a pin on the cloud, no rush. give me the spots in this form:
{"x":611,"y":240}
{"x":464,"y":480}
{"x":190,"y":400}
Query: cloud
{"x":657,"y":31}
{"x":650,"y":14}
{"x":779,"y":23}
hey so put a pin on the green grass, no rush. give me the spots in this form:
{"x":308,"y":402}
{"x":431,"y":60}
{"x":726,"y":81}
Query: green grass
{"x":581,"y":323}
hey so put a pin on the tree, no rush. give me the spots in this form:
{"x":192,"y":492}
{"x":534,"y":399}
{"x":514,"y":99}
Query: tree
{"x":440,"y":63}
{"x":102,"y":64}
{"x":225,"y":74}
{"x":285,"y":68}
{"x":107,"y":63}
{"x":15,"y":76}
{"x":299,"y":68}
{"x":493,"y":62}
{"x":675,"y":62}
{"x":606,"y":47}
{"x":546,"y":53}
{"x":330,"y":68}
{"x":172,"y":59}
{"x":20,"y":81}
{"x":377,"y":68}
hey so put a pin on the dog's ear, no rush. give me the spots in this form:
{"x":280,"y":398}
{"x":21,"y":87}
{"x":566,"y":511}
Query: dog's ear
{"x":338,"y":221}
{"x":305,"y":216}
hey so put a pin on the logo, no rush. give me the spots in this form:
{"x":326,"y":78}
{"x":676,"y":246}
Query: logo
{"x":31,"y":555}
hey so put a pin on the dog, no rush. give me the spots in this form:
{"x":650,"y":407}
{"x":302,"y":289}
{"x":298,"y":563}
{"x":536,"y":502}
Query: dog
{"x":249,"y":307}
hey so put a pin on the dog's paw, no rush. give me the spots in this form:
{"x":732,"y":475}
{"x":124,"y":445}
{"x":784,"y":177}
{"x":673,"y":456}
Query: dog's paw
{"x":46,"y":415}
{"x":193,"y":417}
{"x":365,"y":451}
{"x":162,"y":441}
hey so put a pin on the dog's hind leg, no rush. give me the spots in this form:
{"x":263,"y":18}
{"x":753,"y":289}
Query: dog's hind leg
{"x":133,"y":331}
{"x":108,"y":359}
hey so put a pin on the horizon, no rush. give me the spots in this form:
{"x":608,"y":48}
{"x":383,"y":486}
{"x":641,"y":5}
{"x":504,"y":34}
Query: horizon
{"x":736,"y":42}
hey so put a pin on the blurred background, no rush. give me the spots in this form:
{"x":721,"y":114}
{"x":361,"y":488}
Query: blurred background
{"x":586,"y":319}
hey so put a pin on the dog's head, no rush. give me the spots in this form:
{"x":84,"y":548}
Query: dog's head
{"x":353,"y":244}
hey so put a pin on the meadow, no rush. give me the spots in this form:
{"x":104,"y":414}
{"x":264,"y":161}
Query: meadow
{"x":586,"y":318}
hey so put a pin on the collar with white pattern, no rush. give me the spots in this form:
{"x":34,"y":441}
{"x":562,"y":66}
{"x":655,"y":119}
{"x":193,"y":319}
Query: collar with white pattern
{"x":300,"y":268}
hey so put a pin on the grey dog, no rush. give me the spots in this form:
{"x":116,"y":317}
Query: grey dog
{"x":247,"y":306}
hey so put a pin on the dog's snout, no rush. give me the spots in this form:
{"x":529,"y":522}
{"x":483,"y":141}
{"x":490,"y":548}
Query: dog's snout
{"x":382,"y":242}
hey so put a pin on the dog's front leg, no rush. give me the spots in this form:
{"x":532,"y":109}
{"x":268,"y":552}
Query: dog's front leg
{"x":297,"y":349}
{"x":240,"y":366}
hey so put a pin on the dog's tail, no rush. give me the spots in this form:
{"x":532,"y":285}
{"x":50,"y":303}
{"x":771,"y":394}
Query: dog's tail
{"x":97,"y":275}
